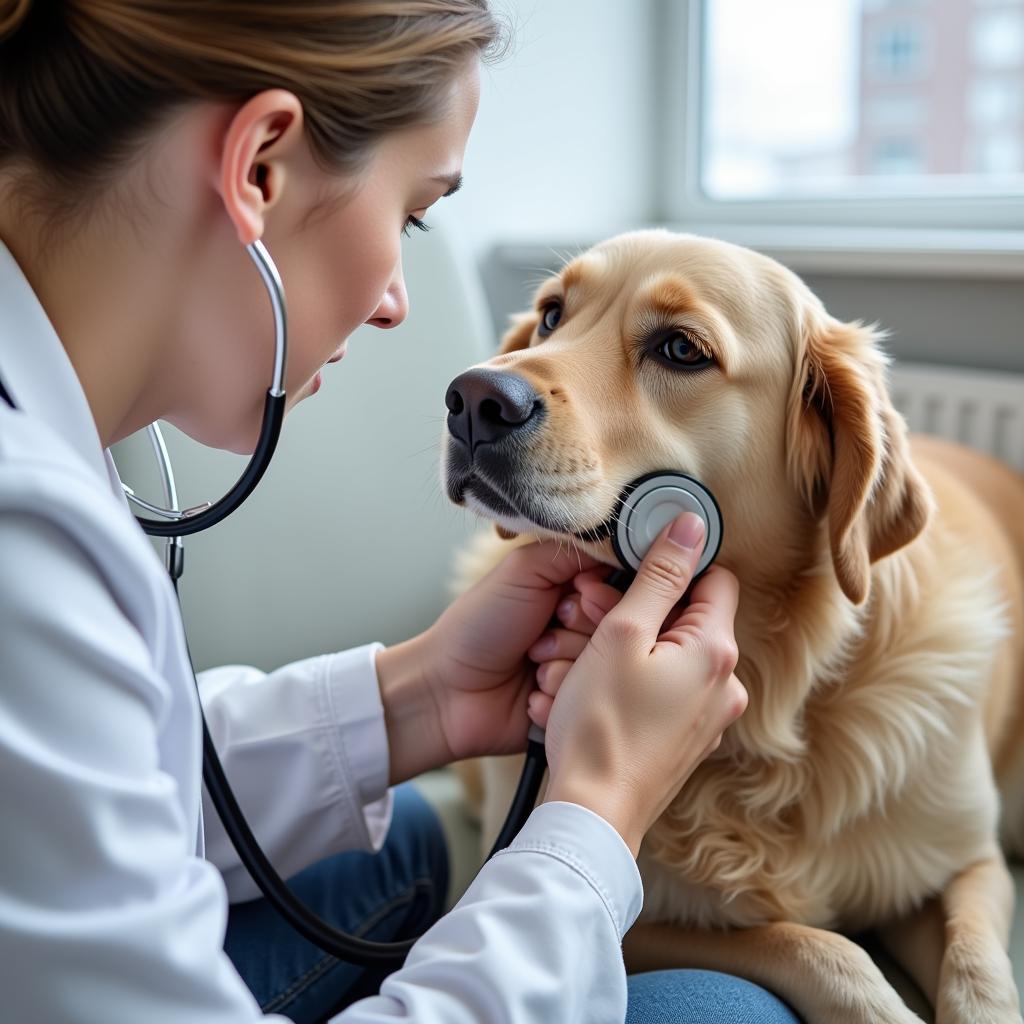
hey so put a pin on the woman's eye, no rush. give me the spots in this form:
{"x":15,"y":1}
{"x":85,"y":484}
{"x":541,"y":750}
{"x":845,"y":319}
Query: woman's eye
{"x":414,"y":222}
{"x":549,"y":319}
{"x":678,"y":349}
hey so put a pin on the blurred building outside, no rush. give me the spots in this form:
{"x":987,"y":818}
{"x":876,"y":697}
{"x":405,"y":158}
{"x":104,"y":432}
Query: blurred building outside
{"x":933,"y":99}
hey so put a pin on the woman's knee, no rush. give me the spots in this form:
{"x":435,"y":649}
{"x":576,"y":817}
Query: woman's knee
{"x":419,"y":848}
{"x":702,"y":997}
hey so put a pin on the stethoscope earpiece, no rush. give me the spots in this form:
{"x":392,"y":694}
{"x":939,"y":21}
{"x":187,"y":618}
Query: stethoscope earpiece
{"x":650,"y":503}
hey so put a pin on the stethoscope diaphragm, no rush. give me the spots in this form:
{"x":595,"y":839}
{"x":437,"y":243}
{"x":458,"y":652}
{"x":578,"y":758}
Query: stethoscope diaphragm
{"x":650,"y":503}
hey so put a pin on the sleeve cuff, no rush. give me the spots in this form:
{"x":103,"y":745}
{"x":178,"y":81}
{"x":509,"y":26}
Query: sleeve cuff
{"x":590,"y":846}
{"x":353,"y":695}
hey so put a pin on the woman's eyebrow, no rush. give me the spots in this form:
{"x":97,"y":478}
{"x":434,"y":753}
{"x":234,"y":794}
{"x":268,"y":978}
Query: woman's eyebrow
{"x":453,"y":181}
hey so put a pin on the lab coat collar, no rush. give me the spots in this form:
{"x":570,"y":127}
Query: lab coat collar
{"x":36,"y":369}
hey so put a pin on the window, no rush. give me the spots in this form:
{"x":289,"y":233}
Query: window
{"x":881,"y":5}
{"x":896,"y":156}
{"x":998,"y":39}
{"x":847,"y":111}
{"x":998,"y":153}
{"x":996,"y":101}
{"x":897,"y":50}
{"x":885,"y":111}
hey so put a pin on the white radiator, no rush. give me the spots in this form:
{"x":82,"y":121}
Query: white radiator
{"x":981,"y":409}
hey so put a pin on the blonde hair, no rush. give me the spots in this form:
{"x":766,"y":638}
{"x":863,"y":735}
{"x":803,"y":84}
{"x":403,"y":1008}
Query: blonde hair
{"x":83,"y":81}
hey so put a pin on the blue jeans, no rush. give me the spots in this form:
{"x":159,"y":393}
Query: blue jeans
{"x":399,"y":893}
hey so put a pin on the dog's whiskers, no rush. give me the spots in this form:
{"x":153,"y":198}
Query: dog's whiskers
{"x":434,"y":444}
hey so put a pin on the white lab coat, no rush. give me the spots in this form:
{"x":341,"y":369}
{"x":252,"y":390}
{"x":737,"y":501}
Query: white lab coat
{"x":114,"y":884}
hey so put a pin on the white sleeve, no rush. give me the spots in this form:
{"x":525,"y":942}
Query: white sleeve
{"x":306,"y":753}
{"x":106,"y":913}
{"x":536,"y":937}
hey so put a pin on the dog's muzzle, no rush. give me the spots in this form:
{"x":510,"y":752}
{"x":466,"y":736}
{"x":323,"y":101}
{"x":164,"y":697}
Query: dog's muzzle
{"x":492,"y":417}
{"x":486,"y":407}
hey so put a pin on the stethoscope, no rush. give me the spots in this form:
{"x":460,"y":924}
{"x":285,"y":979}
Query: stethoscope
{"x":644,"y":508}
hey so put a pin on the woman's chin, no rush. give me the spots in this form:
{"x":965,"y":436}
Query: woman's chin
{"x":226,"y":437}
{"x":231,"y":437}
{"x":236,"y":444}
{"x":310,"y":388}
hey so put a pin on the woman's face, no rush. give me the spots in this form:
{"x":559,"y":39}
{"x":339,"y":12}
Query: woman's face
{"x":337,"y":245}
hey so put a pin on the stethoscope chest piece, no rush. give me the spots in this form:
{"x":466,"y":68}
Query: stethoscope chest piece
{"x":649,"y":504}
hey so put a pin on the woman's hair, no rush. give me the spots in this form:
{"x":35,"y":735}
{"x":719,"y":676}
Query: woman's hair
{"x":83,"y":81}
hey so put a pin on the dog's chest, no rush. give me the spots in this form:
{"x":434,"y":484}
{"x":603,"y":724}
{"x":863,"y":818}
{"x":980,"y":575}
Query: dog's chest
{"x":715,"y":869}
{"x":709,"y":862}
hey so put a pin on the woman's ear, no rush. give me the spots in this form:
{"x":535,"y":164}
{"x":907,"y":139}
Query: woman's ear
{"x":251,"y":174}
{"x":848,"y":450}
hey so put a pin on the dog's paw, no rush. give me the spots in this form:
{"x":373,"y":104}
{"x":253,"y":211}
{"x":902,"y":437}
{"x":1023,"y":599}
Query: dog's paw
{"x":854,"y":990}
{"x":976,"y":984}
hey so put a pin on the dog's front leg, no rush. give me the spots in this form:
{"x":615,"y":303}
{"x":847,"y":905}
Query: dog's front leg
{"x":824,"y":977}
{"x":976,"y":983}
{"x":955,"y":946}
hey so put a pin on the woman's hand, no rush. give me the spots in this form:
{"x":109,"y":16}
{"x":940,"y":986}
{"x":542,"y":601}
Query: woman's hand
{"x":461,"y":688}
{"x":554,"y":653}
{"x":646,"y":700}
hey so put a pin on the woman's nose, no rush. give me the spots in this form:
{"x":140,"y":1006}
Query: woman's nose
{"x":394,"y":306}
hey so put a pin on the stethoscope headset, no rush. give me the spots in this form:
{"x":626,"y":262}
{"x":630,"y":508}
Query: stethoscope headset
{"x":644,"y":508}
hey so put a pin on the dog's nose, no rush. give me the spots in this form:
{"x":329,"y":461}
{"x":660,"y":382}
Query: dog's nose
{"x":487,"y":405}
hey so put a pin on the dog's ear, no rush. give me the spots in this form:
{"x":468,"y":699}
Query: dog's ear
{"x":519,"y":333}
{"x":848,"y":450}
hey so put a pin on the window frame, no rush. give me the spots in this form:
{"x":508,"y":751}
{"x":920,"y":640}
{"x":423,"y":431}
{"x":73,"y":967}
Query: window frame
{"x":961,"y":219}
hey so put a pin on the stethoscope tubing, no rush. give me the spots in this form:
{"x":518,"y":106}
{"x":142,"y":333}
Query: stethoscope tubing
{"x":177,"y":524}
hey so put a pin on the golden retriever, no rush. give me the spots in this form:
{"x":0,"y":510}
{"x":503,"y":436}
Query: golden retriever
{"x":879,"y":627}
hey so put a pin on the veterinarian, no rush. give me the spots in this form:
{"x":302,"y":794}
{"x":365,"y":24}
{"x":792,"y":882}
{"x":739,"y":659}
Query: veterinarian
{"x":143,"y":145}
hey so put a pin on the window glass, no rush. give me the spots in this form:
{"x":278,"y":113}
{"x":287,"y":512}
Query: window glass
{"x":998,"y":39}
{"x":861,"y":98}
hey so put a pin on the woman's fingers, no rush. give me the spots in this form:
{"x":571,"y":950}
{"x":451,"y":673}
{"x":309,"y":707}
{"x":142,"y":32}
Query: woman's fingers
{"x":558,"y":643}
{"x":660,"y":582}
{"x":590,"y":602}
{"x":538,"y":707}
{"x":737,"y":698}
{"x":712,"y":605}
{"x":597,"y":598}
{"x":551,"y":674}
{"x":570,"y":614}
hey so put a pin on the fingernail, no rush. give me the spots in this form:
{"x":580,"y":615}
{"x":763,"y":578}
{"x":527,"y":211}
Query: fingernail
{"x":687,"y":531}
{"x":565,"y":609}
{"x":545,"y":645}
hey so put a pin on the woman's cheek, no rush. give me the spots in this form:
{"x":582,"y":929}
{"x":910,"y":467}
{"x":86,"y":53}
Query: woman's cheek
{"x":370,"y":260}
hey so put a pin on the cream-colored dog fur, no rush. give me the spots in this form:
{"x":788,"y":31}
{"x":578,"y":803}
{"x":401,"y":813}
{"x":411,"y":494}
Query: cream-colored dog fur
{"x":879,"y":629}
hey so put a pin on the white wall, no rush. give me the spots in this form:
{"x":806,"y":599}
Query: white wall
{"x":561,"y":148}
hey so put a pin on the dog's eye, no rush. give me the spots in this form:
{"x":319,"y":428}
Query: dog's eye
{"x":549,"y":319}
{"x":679,"y":350}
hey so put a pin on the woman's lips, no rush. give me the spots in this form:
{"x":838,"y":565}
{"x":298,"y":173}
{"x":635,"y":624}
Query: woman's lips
{"x":317,"y":379}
